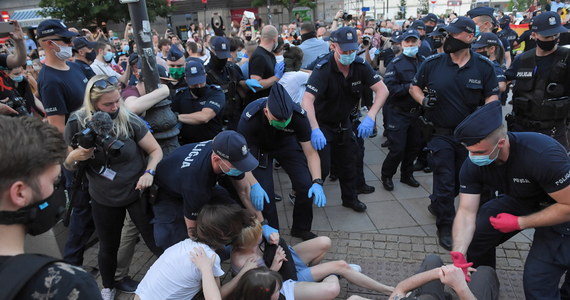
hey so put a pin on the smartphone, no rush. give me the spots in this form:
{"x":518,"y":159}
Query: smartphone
{"x":249,"y":14}
{"x":6,"y":28}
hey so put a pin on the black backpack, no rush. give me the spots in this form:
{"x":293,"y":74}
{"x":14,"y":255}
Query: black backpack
{"x":18,"y":270}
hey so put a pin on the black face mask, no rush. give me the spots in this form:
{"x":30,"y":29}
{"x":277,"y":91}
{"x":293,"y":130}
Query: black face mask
{"x":124,"y":65}
{"x":91,"y":56}
{"x":546,"y":45}
{"x":114,"y":114}
{"x":40,"y":216}
{"x":484,"y":53}
{"x":429,"y":29}
{"x":504,"y":26}
{"x":248,"y":38}
{"x":453,"y":45}
{"x":495,"y":30}
{"x":437,"y":43}
{"x":217,"y":63}
{"x":310,"y":35}
{"x":199,"y":92}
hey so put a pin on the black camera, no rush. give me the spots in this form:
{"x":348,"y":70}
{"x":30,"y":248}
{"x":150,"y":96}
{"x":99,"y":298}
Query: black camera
{"x":88,"y":138}
{"x":366,"y":41}
{"x":18,"y":104}
{"x":346,"y":16}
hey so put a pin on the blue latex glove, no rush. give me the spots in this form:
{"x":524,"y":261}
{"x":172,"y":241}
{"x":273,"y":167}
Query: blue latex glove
{"x":267,"y":231}
{"x":366,"y":127}
{"x":252,"y":84}
{"x":317,"y":191}
{"x":257,"y":195}
{"x":318,"y":139}
{"x":279,"y":69}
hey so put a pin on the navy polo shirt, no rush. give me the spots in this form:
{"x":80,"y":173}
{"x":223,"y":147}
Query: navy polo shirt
{"x":62,"y":92}
{"x":398,"y":77}
{"x":499,"y":72}
{"x":254,"y":126}
{"x":187,"y":174}
{"x":262,"y":63}
{"x":544,"y":65}
{"x":335,"y":95}
{"x":519,"y":177}
{"x":525,"y":37}
{"x":185,"y":103}
{"x":459,"y":90}
{"x":86,"y":68}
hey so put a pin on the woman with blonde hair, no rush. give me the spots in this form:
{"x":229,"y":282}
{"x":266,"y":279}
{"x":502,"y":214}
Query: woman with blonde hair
{"x":116,"y":178}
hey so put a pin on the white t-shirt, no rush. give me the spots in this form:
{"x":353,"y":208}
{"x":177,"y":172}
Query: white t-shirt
{"x":174,"y":276}
{"x":294,"y":83}
{"x":101,"y":68}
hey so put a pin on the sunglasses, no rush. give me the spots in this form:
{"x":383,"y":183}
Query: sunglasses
{"x":63,"y":39}
{"x":104,"y":83}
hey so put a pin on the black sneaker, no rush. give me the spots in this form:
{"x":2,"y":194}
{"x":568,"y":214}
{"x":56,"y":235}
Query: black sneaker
{"x":127,"y":285}
{"x":302,"y":234}
{"x":356,"y":205}
{"x":365,"y":189}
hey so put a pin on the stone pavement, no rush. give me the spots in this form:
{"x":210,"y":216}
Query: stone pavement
{"x":389,"y":240}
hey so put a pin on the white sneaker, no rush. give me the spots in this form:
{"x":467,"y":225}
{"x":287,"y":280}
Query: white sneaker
{"x":355,"y":267}
{"x":108,"y":294}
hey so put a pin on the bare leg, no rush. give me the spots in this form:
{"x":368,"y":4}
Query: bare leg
{"x":314,"y":250}
{"x":328,"y":289}
{"x":356,"y":297}
{"x":340,"y":267}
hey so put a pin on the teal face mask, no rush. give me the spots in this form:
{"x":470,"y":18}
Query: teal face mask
{"x":18,"y":78}
{"x":231,"y":171}
{"x":411,"y":51}
{"x":107,"y":57}
{"x":347,"y":59}
{"x":477,"y":32}
{"x":484,"y":160}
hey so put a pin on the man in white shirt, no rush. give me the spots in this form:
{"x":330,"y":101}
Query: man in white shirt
{"x":102,"y":63}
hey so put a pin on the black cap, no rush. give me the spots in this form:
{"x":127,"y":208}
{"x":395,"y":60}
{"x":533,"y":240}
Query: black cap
{"x":547,"y":24}
{"x":81,"y":42}
{"x":346,"y":38}
{"x":481,"y":11}
{"x":410,"y":33}
{"x":478,"y":125}
{"x":280,"y":103}
{"x":221,"y":46}
{"x":232,"y":147}
{"x":430,"y":18}
{"x":174,"y":53}
{"x":486,"y":39}
{"x":505,"y":19}
{"x":195,"y":73}
{"x":436,"y":31}
{"x":460,"y":24}
{"x":418,"y":25}
{"x":53,"y":27}
{"x":396,"y":37}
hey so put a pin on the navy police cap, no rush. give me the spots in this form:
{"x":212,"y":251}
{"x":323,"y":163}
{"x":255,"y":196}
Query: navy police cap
{"x":478,"y":125}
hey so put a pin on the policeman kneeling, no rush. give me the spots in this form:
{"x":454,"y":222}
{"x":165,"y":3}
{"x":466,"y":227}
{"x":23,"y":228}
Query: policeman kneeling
{"x":534,"y":197}
{"x":274,"y":127}
{"x":541,"y":93}
{"x":187,"y":179}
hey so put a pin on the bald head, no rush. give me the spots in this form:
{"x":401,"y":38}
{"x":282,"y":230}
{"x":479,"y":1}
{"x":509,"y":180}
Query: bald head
{"x":269,"y":32}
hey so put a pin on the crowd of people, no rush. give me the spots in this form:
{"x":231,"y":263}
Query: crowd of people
{"x":253,"y":98}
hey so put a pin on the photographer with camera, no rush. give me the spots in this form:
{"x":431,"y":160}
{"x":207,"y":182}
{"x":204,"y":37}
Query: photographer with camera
{"x":11,"y":61}
{"x":111,"y":142}
{"x":22,"y":99}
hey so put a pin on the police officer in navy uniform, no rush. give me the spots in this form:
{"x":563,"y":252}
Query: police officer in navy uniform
{"x":489,"y":45}
{"x":425,"y":47}
{"x":485,"y":22}
{"x":228,"y":76}
{"x":430,"y":21}
{"x":176,"y":63}
{"x":530,"y":197}
{"x":507,"y":32}
{"x":188,"y":178}
{"x":333,"y":90}
{"x":276,"y":127}
{"x":403,"y":129}
{"x":469,"y":82}
{"x":198,"y":106}
{"x":84,"y":55}
{"x":542,"y":87}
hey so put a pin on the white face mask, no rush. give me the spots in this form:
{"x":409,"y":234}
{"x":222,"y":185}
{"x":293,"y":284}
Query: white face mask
{"x":65,"y":53}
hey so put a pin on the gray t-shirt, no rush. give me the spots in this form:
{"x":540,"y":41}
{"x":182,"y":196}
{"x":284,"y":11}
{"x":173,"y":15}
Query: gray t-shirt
{"x":125,"y":169}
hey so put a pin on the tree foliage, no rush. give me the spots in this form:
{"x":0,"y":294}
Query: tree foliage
{"x":423,"y":7}
{"x":89,"y":12}
{"x":288,"y":4}
{"x":401,"y":14}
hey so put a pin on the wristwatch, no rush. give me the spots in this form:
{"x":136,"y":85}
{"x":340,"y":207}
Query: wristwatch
{"x":150,"y":171}
{"x":319,"y":181}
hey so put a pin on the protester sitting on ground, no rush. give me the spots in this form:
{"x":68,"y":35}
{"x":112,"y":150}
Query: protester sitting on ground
{"x":176,"y":276}
{"x":264,"y":284}
{"x":305,"y":257}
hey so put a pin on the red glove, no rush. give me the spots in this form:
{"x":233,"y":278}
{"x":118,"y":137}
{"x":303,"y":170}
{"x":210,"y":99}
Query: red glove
{"x":460,"y":262}
{"x":505,"y":222}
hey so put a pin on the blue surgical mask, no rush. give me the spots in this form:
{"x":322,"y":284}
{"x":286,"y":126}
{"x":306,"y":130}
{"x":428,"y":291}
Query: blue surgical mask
{"x":126,"y":48}
{"x":477,"y":32}
{"x":108,"y":57}
{"x":347,"y":59}
{"x":42,"y":58}
{"x":232,"y":171}
{"x":239,"y":56}
{"x":18,"y":78}
{"x":28,"y":62}
{"x":411,"y":51}
{"x":484,"y":160}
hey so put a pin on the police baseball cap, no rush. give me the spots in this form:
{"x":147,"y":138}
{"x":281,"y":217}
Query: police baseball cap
{"x":279,"y":103}
{"x":232,"y":146}
{"x":486,"y":39}
{"x":418,"y":25}
{"x":481,"y":11}
{"x":53,"y":27}
{"x":410,"y":33}
{"x":346,"y":38}
{"x":174,"y":53}
{"x":81,"y":42}
{"x":547,"y":24}
{"x":430,"y":18}
{"x":505,"y":19}
{"x":460,"y":24}
{"x":436,"y":31}
{"x":396,"y":37}
{"x":221,"y":47}
{"x":479,"y":124}
{"x":195,"y":73}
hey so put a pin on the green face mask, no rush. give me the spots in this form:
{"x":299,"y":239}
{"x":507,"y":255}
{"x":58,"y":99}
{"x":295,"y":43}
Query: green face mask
{"x":280,"y":124}
{"x":176,"y":73}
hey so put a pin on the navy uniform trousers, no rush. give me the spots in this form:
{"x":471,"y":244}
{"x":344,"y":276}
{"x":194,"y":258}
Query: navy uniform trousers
{"x":547,"y":260}
{"x":289,"y":154}
{"x":446,"y":156}
{"x":404,"y":134}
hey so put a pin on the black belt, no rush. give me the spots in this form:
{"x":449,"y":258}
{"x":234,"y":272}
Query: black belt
{"x":538,"y":125}
{"x":410,"y":110}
